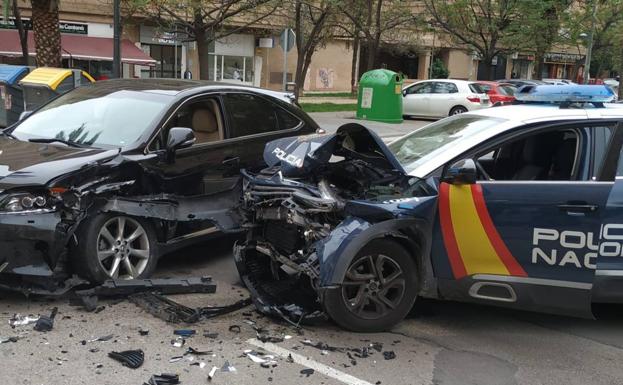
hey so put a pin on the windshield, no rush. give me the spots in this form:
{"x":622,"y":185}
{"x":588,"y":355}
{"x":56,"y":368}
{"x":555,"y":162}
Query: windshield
{"x":436,"y":138}
{"x":94,"y":117}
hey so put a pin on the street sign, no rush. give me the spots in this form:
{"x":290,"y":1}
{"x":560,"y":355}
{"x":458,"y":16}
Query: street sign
{"x":286,"y":40}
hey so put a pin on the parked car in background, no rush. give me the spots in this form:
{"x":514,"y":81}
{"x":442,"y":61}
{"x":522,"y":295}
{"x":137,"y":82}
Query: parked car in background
{"x":522,"y":82}
{"x":559,"y":82}
{"x":439,"y":98}
{"x":104,"y":179}
{"x":498,"y":92}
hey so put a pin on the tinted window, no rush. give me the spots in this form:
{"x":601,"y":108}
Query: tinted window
{"x":445,"y":88}
{"x":287,"y":121}
{"x":250,"y":115}
{"x":476,"y":88}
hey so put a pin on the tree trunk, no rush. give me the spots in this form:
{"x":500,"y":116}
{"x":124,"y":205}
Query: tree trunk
{"x":373,"y":49}
{"x":21,"y":31}
{"x":620,"y":71}
{"x":203,"y":50}
{"x":46,"y":32}
{"x":538,"y":66}
{"x":299,"y":73}
{"x":354,"y":75}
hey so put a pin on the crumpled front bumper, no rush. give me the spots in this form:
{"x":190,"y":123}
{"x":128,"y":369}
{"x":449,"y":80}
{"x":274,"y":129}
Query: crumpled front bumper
{"x":31,"y":244}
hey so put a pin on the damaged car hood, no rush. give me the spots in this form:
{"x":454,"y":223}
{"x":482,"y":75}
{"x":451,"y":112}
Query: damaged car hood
{"x":25,"y":163}
{"x":301,"y":155}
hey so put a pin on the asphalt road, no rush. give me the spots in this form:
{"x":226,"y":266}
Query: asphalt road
{"x":331,"y":121}
{"x":440,"y":343}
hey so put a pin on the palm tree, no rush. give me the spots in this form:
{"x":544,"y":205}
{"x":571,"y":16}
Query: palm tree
{"x":46,"y":32}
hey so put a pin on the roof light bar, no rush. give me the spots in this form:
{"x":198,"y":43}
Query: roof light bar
{"x":565,"y":94}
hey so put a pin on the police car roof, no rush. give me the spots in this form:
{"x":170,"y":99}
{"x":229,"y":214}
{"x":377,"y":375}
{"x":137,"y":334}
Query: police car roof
{"x":531,"y":113}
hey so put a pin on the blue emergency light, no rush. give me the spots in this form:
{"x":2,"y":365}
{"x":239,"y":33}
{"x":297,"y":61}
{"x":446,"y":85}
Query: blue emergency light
{"x":580,"y":93}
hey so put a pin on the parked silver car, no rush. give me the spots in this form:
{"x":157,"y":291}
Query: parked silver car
{"x":439,"y":98}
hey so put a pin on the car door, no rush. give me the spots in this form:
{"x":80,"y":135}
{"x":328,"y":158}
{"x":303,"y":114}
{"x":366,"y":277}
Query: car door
{"x":528,"y":239}
{"x":608,"y":285}
{"x":443,"y":98}
{"x":416,"y":99}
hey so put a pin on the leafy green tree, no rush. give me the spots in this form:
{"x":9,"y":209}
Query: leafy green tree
{"x":439,"y":70}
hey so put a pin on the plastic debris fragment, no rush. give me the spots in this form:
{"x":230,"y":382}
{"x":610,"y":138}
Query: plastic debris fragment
{"x":130,"y":358}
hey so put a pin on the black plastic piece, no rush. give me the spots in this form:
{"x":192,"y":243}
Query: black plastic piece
{"x":171,"y":311}
{"x":163,"y":379}
{"x":120,"y":287}
{"x":131,"y":358}
{"x":45,"y":323}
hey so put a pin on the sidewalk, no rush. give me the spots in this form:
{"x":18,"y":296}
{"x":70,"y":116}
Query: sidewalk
{"x":327,"y":99}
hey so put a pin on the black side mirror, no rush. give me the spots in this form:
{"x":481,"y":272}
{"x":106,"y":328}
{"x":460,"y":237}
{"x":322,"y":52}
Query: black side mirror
{"x":179,"y":137}
{"x":461,"y":172}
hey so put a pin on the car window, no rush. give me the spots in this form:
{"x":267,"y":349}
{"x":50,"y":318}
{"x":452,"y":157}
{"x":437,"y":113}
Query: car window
{"x":445,"y":88}
{"x":476,"y":88}
{"x":485,"y":87}
{"x":287,"y":121}
{"x":601,"y":142}
{"x":421,"y":88}
{"x":545,"y":155}
{"x":249,"y":115}
{"x":202,"y":115}
{"x":95,"y":117}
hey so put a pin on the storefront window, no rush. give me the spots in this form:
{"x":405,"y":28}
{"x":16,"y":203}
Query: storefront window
{"x":168,"y":64}
{"x":231,"y":68}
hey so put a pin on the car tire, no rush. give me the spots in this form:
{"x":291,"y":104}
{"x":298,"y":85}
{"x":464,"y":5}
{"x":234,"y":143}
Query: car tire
{"x":102,"y":253}
{"x":371,"y":313}
{"x":406,"y":117}
{"x":457,"y":110}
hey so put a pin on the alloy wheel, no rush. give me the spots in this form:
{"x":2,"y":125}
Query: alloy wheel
{"x":123,"y":248}
{"x":374,"y":286}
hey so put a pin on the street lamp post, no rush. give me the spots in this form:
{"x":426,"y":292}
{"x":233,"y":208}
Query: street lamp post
{"x":116,"y":55}
{"x":589,"y":43}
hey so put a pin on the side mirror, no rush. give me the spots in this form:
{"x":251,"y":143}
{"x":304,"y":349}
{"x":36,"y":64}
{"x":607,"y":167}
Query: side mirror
{"x":462,"y":172}
{"x":24,"y":115}
{"x":179,"y":137}
{"x":404,"y":92}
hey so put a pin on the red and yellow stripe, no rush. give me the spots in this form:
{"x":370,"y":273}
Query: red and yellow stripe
{"x":472,"y":242}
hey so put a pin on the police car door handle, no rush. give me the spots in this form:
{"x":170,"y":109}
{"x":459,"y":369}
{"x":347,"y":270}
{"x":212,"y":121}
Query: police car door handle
{"x":578,"y":207}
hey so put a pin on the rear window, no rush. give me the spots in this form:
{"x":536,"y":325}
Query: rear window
{"x":477,"y":88}
{"x":508,"y":90}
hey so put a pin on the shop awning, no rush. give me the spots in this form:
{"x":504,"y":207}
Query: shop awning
{"x":78,"y":47}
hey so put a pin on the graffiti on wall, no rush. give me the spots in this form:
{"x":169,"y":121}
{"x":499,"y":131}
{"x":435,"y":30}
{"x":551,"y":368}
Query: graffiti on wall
{"x":325,"y":78}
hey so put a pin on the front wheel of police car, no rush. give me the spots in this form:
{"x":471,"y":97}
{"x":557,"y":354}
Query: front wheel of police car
{"x":378,"y":291}
{"x":112,"y":246}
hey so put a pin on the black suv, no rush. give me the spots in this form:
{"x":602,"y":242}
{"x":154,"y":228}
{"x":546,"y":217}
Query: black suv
{"x":106,"y":178}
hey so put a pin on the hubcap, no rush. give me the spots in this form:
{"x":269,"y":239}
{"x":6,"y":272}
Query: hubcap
{"x":373,"y":287}
{"x":123,"y":248}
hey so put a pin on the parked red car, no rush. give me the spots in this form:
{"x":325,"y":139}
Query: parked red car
{"x":498,"y":92}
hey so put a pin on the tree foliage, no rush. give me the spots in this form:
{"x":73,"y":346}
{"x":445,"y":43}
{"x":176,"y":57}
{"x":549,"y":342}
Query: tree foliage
{"x":205,"y":21}
{"x":488,"y":27}
{"x":375,"y":21}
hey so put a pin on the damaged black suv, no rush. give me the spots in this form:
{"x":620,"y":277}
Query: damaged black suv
{"x":106,"y":178}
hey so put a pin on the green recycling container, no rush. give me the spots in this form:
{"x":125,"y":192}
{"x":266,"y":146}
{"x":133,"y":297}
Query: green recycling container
{"x":380,"y":96}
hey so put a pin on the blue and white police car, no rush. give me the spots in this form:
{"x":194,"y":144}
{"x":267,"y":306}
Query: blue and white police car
{"x":518,"y":206}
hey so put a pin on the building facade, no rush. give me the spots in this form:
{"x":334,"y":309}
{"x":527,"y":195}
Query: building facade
{"x":253,"y":55}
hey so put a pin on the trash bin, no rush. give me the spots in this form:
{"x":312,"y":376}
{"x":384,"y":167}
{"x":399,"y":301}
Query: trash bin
{"x":380,"y":96}
{"x":45,"y":83}
{"x":11,"y":96}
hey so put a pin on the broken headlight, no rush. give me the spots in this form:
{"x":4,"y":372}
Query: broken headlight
{"x":25,"y":202}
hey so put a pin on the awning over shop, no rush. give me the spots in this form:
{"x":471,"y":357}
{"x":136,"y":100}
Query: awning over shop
{"x":78,"y":47}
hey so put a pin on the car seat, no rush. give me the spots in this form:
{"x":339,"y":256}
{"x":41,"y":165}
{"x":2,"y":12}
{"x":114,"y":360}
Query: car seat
{"x":205,"y":122}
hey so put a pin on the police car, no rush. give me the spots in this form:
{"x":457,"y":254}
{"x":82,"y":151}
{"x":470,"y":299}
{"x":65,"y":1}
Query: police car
{"x":518,"y":206}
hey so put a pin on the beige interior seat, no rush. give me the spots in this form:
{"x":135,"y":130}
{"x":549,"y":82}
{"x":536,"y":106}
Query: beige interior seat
{"x":206,"y":122}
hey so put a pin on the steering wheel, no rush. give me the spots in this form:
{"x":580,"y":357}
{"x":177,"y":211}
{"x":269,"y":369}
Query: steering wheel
{"x":483,"y":173}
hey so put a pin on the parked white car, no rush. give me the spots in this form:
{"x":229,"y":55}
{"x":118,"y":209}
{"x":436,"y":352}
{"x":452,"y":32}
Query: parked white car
{"x":559,"y":82}
{"x":439,"y":98}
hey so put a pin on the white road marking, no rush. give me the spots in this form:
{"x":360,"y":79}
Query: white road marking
{"x":308,"y":362}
